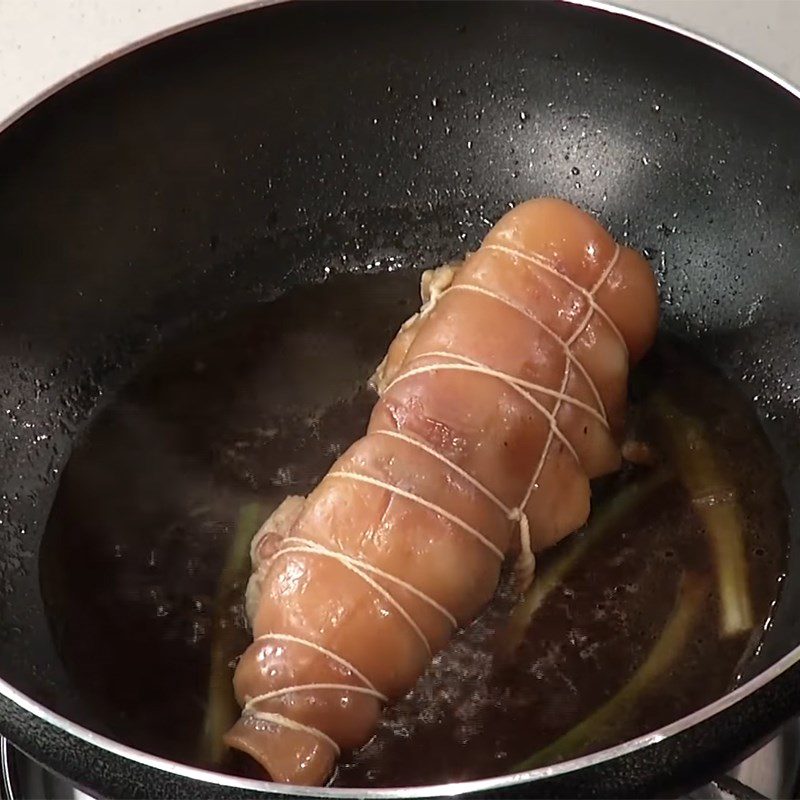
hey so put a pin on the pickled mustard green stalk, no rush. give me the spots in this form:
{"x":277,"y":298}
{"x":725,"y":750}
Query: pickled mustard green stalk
{"x":607,"y":518}
{"x":701,"y":470}
{"x":222,"y":709}
{"x":603,"y":724}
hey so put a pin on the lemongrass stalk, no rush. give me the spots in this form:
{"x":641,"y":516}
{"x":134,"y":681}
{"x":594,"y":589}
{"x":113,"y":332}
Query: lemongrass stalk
{"x":713,"y":496}
{"x":222,"y":709}
{"x":607,"y":518}
{"x":601,"y":726}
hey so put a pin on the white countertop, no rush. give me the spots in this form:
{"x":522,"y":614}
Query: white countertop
{"x":43,"y":41}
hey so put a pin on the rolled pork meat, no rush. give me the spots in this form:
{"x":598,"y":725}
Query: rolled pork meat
{"x":497,"y":404}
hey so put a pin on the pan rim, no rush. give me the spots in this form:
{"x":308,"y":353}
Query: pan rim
{"x":128,"y":753}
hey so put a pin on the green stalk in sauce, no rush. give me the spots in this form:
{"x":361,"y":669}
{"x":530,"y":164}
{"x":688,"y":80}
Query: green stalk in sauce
{"x":602,"y":725}
{"x":607,"y":518}
{"x":686,"y":443}
{"x":222,"y":709}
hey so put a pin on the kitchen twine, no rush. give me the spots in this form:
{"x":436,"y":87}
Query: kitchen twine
{"x":526,"y":562}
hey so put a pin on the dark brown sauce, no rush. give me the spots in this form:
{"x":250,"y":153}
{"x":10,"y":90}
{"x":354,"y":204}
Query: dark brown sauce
{"x":259,"y":406}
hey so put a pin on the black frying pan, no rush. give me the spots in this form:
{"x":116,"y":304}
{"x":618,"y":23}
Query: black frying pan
{"x":230,"y":161}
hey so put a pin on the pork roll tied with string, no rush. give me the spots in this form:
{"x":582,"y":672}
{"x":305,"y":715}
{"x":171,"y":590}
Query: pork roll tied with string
{"x":498,"y":403}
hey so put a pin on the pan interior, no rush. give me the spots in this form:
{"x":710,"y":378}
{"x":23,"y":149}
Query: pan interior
{"x":185,"y":181}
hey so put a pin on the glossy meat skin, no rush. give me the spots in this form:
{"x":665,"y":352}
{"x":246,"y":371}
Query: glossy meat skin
{"x":498,"y":403}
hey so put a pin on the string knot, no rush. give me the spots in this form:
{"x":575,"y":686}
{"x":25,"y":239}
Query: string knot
{"x":526,"y":561}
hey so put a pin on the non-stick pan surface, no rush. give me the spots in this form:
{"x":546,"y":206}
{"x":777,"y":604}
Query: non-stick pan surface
{"x":233,"y":160}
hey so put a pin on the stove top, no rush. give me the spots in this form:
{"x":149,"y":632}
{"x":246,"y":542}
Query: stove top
{"x":772,"y":773}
